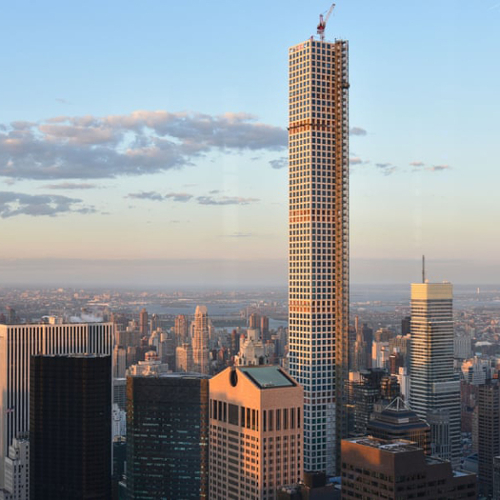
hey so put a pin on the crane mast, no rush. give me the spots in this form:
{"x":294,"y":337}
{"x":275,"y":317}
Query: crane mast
{"x":323,"y":21}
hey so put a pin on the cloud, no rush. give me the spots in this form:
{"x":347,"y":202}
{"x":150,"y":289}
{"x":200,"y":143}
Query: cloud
{"x":438,"y":168}
{"x":185,"y":197}
{"x":182,"y":197}
{"x":149,"y":195}
{"x":357,"y":131}
{"x":62,"y":101}
{"x":386,"y":168}
{"x":13,"y":204}
{"x":279,"y":163}
{"x":71,"y":185}
{"x":355,"y":161}
{"x":225,"y":200}
{"x":143,"y":142}
{"x":417,"y":163}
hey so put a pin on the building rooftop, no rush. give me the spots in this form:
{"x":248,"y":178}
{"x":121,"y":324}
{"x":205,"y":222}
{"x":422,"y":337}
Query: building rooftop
{"x":267,"y":377}
{"x":393,"y":446}
{"x":183,"y":375}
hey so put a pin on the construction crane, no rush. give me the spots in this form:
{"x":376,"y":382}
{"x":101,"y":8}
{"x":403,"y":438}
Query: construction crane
{"x":322,"y":23}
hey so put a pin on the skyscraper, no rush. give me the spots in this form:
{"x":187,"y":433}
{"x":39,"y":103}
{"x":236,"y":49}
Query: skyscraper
{"x":143,"y":322}
{"x":318,"y":242}
{"x":17,"y":344}
{"x":181,"y":328}
{"x":200,"y":340}
{"x":70,"y":427}
{"x":488,"y":433}
{"x":435,"y":390}
{"x":255,"y":432}
{"x":167,"y":436}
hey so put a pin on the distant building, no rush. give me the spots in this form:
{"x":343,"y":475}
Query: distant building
{"x":184,"y":358}
{"x":256,"y":423}
{"x":253,"y":351}
{"x":380,"y":354}
{"x":181,"y":329}
{"x":143,"y":322}
{"x":150,"y":366}
{"x":119,"y":361}
{"x":397,"y":421}
{"x":17,"y":471}
{"x":70,"y":427}
{"x":366,"y":389}
{"x":314,"y":487}
{"x":167,"y":437}
{"x":488,"y":430}
{"x":462,"y":346}
{"x":154,"y":323}
{"x":476,"y":370}
{"x":399,"y":469}
{"x":264,"y":329}
{"x":200,"y":341}
{"x":253,"y":321}
{"x":406,"y":326}
{"x":435,"y":389}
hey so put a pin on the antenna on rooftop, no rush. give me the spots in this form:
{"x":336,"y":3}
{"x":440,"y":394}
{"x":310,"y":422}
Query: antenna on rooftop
{"x":423,"y":268}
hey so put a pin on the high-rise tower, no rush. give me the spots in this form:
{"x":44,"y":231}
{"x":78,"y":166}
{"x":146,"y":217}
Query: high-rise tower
{"x":435,"y":390}
{"x":200,"y":340}
{"x":17,"y":344}
{"x":70,"y":427}
{"x":319,"y":242}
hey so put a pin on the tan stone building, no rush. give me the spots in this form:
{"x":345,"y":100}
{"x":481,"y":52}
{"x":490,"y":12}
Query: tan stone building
{"x":256,"y":419}
{"x":399,"y":469}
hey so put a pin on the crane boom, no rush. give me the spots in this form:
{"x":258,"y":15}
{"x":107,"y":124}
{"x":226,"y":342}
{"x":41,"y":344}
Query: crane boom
{"x":329,"y":13}
{"x":323,"y":21}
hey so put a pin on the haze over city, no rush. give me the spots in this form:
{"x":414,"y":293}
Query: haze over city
{"x":149,"y":145}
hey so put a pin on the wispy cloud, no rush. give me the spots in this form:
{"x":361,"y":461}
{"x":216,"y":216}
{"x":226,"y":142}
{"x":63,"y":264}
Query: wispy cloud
{"x":143,"y":142}
{"x":14,"y":204}
{"x":357,"y":131}
{"x":71,"y":185}
{"x":62,"y":101}
{"x":225,"y":200}
{"x":417,"y":163}
{"x":386,"y":168}
{"x":438,"y":168}
{"x":356,"y":160}
{"x":146,"y":195}
{"x":279,"y":163}
{"x":182,"y":197}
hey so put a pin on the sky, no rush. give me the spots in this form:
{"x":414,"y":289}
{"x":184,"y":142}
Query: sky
{"x":145,"y":142}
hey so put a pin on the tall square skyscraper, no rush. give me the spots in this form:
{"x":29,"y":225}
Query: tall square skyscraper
{"x":319,"y":241}
{"x":435,"y":389}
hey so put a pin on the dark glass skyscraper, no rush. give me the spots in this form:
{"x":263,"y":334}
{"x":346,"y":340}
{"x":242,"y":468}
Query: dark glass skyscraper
{"x":167,"y":437}
{"x":70,"y":427}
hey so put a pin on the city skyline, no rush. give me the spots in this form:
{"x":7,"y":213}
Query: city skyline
{"x":212,"y":135}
